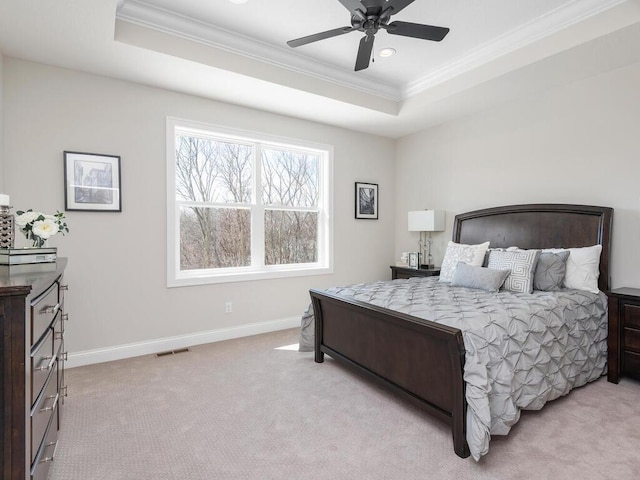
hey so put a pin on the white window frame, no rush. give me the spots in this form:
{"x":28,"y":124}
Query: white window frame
{"x":257,"y":271}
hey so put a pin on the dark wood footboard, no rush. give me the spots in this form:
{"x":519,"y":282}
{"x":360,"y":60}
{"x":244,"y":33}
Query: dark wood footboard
{"x":418,"y":359}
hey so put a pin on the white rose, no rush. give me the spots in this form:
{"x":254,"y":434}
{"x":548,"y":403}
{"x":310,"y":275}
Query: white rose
{"x":26,"y":217}
{"x":45,"y":228}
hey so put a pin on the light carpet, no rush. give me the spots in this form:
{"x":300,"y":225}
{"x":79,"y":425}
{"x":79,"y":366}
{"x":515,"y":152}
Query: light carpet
{"x":243,"y":409}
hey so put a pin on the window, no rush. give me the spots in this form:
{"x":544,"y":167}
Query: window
{"x":245,"y":206}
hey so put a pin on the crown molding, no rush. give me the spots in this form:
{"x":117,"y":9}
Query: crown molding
{"x":533,"y":31}
{"x":140,"y":13}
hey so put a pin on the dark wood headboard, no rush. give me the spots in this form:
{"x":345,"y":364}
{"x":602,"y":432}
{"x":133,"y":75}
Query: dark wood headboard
{"x":540,"y":226}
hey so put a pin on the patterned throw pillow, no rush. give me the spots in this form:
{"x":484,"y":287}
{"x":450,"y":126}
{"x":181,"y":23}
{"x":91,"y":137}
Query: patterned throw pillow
{"x":522,"y":264}
{"x":459,"y":252}
{"x":498,"y":249}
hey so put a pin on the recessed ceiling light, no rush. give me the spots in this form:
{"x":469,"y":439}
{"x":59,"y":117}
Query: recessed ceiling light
{"x":386,"y":52}
{"x":238,"y":2}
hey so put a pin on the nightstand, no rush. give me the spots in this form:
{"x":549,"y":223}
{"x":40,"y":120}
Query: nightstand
{"x":624,"y":334}
{"x":406,"y":272}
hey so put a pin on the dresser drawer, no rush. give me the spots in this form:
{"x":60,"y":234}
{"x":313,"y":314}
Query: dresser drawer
{"x":631,"y":362}
{"x":632,"y":339}
{"x":632,"y":315}
{"x":43,"y":362}
{"x":47,"y":451}
{"x":41,"y":413}
{"x":43,"y":311}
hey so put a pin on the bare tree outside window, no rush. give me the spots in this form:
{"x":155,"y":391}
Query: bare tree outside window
{"x":213,"y":173}
{"x":290,"y":180}
{"x":217,"y":205}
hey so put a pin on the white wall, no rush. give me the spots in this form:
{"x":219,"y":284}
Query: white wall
{"x":1,"y":127}
{"x":576,"y":144}
{"x":117,"y":261}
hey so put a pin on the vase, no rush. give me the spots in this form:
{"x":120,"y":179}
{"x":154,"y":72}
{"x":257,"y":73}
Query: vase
{"x":38,"y":242}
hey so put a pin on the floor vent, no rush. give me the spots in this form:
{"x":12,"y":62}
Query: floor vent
{"x":172,"y":352}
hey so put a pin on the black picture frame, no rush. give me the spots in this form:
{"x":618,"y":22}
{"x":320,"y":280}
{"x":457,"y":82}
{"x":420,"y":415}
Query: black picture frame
{"x":92,"y":182}
{"x":367,"y":201}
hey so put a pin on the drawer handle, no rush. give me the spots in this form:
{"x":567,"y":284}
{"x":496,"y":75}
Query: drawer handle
{"x":51,"y":309}
{"x":48,"y":366}
{"x":59,"y":336}
{"x":65,"y":317}
{"x":65,"y":356}
{"x":50,"y":459}
{"x":64,"y":287}
{"x":63,"y":391}
{"x":53,"y":406}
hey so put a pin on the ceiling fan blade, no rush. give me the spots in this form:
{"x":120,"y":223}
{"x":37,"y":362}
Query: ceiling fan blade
{"x":397,"y":5}
{"x":319,"y":36}
{"x":355,"y":7}
{"x":364,"y":52}
{"x":416,"y":30}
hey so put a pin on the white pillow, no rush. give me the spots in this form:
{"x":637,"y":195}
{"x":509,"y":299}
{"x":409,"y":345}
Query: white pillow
{"x":583,"y":267}
{"x":459,"y":252}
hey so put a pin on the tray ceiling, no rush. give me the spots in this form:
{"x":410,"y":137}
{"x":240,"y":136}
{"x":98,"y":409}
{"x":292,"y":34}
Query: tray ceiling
{"x":497,"y":50}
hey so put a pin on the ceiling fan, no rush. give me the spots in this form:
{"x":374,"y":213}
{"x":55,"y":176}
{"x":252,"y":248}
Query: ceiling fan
{"x":369,"y":16}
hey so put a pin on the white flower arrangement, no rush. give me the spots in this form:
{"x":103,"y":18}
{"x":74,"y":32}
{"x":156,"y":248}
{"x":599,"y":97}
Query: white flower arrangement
{"x":39,"y":227}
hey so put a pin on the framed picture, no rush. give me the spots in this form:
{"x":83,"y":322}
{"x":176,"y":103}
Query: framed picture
{"x":92,"y":182}
{"x":414,"y":259}
{"x":367,"y":200}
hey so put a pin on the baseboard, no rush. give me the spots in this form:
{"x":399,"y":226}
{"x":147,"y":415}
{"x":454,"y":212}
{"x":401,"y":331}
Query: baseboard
{"x":119,"y":352}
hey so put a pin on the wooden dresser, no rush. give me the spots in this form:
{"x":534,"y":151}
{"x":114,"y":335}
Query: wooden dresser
{"x":32,"y":370}
{"x":623,"y":341}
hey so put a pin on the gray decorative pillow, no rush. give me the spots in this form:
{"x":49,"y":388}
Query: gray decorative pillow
{"x":550,"y":271}
{"x":478,"y":277}
{"x":522,"y":264}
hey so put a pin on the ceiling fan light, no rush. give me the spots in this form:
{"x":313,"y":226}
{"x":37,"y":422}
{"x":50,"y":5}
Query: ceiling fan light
{"x":386,"y":52}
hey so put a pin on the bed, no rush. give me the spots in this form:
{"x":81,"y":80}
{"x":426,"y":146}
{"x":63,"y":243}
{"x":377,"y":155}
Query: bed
{"x":424,"y":360}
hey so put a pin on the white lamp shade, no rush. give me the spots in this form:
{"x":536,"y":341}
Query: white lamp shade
{"x":426,"y":221}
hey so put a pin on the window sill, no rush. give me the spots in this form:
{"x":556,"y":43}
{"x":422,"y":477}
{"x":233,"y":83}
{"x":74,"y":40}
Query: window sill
{"x":191,"y":279}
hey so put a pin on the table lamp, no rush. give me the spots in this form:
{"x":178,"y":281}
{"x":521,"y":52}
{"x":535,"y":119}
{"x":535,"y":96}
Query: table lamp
{"x":425,"y":222}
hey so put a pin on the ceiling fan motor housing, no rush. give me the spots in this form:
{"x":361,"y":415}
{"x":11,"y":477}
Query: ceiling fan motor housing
{"x":370,"y":26}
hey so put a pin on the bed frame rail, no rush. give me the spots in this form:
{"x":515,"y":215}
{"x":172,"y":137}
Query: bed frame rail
{"x":400,"y":352}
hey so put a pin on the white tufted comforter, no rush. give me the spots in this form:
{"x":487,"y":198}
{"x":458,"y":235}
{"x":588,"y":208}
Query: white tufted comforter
{"x":522,"y":350}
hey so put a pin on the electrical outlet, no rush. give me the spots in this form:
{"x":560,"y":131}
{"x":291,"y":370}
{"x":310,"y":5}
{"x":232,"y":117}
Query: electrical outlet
{"x":228,"y":307}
